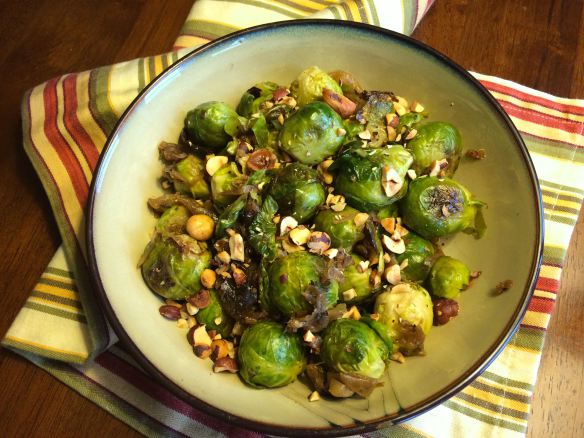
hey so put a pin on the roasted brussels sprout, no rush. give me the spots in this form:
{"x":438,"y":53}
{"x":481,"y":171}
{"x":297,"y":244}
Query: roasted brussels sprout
{"x":352,"y":347}
{"x":313,"y":133}
{"x":448,"y":277}
{"x":371,"y":179}
{"x":189,"y":177}
{"x":419,"y":254}
{"x":373,"y":114}
{"x":206,"y":124}
{"x":298,"y":191}
{"x":172,"y":266}
{"x":407,"y":311}
{"x":357,"y":278}
{"x":269,"y":356}
{"x":435,"y":207}
{"x":226,"y":184}
{"x":344,"y":227}
{"x":436,"y":141}
{"x":214,"y":317}
{"x":291,"y":275}
{"x":252,"y":99}
{"x":311,"y":82}
{"x":173,"y":221}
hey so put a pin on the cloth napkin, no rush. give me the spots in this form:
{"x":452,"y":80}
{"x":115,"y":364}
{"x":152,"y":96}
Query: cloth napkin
{"x":61,"y":329}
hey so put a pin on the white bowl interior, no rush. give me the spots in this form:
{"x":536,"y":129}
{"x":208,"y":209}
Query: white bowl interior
{"x":128,"y":176}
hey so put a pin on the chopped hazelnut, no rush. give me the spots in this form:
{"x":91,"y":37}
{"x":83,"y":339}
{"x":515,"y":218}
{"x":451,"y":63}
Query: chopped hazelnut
{"x":225,"y":364}
{"x":287,"y":224}
{"x":300,"y":235}
{"x":215,"y":162}
{"x":208,"y":278}
{"x":314,"y":396}
{"x":236,"y":248}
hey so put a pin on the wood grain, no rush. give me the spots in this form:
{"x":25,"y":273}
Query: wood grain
{"x":539,"y":43}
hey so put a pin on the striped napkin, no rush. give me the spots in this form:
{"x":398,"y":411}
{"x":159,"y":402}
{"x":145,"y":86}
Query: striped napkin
{"x":66,"y":122}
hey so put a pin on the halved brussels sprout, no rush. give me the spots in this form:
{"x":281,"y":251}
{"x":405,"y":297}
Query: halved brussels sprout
{"x":269,"y":356}
{"x":407,"y":311}
{"x":340,"y":226}
{"x":357,"y":279}
{"x":173,"y":221}
{"x":436,"y":207}
{"x":419,"y":254}
{"x":313,"y":133}
{"x":311,"y":82}
{"x":298,"y":192}
{"x":189,"y":177}
{"x":291,"y":275}
{"x":172,"y":266}
{"x":214,"y":317}
{"x":352,"y":347}
{"x":226,"y":185}
{"x":206,"y":124}
{"x":252,"y":99}
{"x":361,"y":175}
{"x":448,"y":277}
{"x":433,"y":142}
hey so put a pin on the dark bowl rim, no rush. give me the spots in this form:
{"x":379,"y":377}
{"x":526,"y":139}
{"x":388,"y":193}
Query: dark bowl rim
{"x":474,"y":371}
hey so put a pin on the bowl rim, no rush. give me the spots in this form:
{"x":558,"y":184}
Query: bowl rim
{"x":359,"y":427}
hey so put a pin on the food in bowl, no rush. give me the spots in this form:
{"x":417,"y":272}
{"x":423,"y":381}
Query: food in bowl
{"x":300,"y":232}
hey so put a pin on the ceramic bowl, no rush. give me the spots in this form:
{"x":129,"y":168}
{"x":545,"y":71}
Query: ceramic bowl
{"x":120,"y":223}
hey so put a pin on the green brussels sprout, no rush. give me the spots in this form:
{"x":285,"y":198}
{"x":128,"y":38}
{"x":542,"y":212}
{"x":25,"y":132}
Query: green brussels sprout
{"x":448,"y":277}
{"x":378,"y":105}
{"x":433,"y":142}
{"x":252,"y":99}
{"x":357,"y":279}
{"x":311,"y":82}
{"x":419,"y":254}
{"x":206,"y":124}
{"x":291,"y":275}
{"x":298,"y":191}
{"x":173,"y":221}
{"x":269,"y":356}
{"x":435,"y":207}
{"x":360,"y":175}
{"x":189,"y":177}
{"x":407,"y":311}
{"x":352,"y":347}
{"x":226,"y":184}
{"x":172,"y":266}
{"x":214,"y":317}
{"x":340,"y":226}
{"x":313,"y":133}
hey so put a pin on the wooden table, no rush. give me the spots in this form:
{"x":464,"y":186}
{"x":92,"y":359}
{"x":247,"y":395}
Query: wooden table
{"x":539,"y":43}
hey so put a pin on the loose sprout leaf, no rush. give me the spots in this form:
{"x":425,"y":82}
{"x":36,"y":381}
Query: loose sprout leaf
{"x":260,"y":130}
{"x":262,"y":231}
{"x":228,"y":218}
